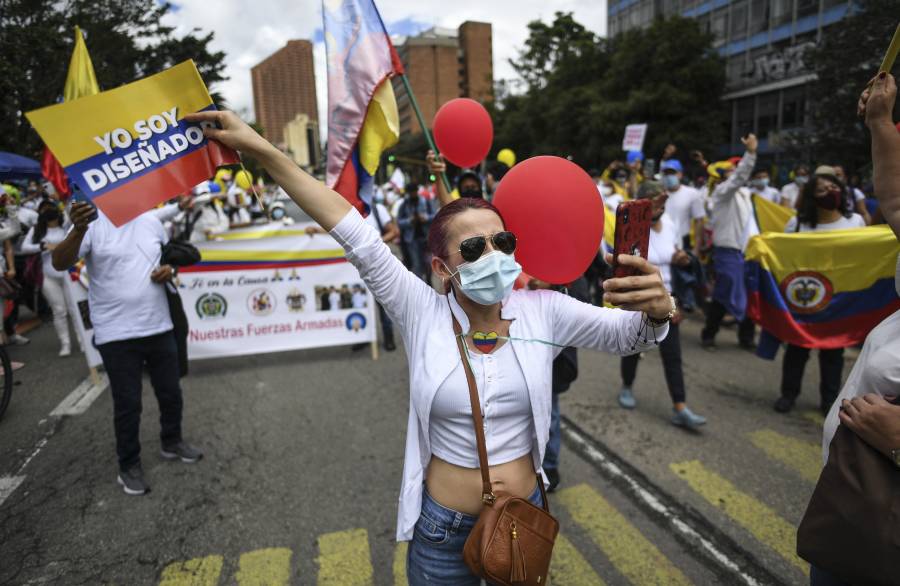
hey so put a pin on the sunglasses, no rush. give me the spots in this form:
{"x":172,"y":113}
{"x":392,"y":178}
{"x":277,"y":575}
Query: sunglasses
{"x":472,"y":248}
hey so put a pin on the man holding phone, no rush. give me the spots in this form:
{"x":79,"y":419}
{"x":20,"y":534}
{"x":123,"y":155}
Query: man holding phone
{"x":132,"y":328}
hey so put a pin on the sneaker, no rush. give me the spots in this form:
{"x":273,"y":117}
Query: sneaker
{"x":132,"y":481}
{"x":65,"y":351}
{"x":626,"y":399}
{"x":552,"y":478}
{"x":783,"y":404}
{"x":687,"y":418}
{"x":186,"y":452}
{"x":18,"y":340}
{"x":389,"y":345}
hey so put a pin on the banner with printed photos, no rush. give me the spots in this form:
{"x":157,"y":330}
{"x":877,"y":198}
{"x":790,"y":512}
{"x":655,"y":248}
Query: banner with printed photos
{"x":273,"y":295}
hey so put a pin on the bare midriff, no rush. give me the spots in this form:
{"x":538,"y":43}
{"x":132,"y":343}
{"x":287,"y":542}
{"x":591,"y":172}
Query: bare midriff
{"x":459,"y":488}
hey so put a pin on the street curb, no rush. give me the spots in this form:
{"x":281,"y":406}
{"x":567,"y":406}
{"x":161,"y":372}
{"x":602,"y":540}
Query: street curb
{"x":705,"y":542}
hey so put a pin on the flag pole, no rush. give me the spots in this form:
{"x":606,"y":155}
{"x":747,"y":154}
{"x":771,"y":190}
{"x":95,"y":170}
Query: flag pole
{"x":421,"y":119}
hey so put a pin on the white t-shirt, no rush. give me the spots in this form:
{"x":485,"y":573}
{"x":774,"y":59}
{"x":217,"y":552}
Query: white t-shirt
{"x":663,"y":245}
{"x":684,"y":204}
{"x":334,"y":300}
{"x":359,"y":300}
{"x":769,"y":193}
{"x":790,"y":193}
{"x":125,"y":304}
{"x":854,"y":221}
{"x":383,"y":214}
{"x":877,"y":370}
{"x":53,"y":236}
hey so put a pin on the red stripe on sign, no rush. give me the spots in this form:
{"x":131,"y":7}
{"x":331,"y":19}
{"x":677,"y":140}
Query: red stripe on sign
{"x":132,"y":199}
{"x":839,"y":333}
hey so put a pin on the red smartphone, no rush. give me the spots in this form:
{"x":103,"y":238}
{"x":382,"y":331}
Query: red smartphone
{"x":633,"y":221}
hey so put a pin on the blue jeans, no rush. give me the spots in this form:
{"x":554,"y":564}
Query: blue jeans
{"x":551,"y":455}
{"x":435,"y":552}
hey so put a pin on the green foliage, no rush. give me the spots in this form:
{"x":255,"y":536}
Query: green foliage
{"x":848,"y":57}
{"x":126,"y":41}
{"x":581,"y":91}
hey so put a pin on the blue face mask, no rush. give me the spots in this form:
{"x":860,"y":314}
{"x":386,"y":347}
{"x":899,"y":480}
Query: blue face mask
{"x":672,"y":182}
{"x":801,"y":179}
{"x":760,"y":183}
{"x":490,"y":278}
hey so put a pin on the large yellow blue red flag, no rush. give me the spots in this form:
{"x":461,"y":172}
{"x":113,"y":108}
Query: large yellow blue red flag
{"x":129,"y":149}
{"x":822,"y":289}
{"x":362,"y":110}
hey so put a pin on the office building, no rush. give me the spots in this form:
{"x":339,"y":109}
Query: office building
{"x":301,"y":142}
{"x":284,"y":86}
{"x":763,"y":42}
{"x":442,"y":64}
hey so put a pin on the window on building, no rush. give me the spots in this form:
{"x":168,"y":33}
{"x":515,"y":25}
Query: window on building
{"x":766,"y":114}
{"x":807,"y":8}
{"x":744,"y":118}
{"x":793,"y":107}
{"x":719,"y":25}
{"x":781,"y":12}
{"x":759,"y":16}
{"x":703,"y":21}
{"x":734,"y":71}
{"x":739,"y":20}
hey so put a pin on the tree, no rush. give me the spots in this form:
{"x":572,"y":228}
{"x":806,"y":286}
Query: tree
{"x":581,"y":91}
{"x":126,"y":40}
{"x":848,"y":56}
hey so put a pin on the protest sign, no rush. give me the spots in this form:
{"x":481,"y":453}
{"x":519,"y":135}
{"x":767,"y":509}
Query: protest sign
{"x":274,"y":294}
{"x":129,"y":149}
{"x":634,"y":137}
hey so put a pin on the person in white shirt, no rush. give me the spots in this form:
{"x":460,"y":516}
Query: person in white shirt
{"x":732,"y":223}
{"x":208,"y":217}
{"x":359,"y":298}
{"x":858,"y":198}
{"x":824,"y":205}
{"x":685,"y":204}
{"x":473,"y":254}
{"x":16,"y":259}
{"x":132,"y":328}
{"x":665,"y":251}
{"x":41,"y":239}
{"x":334,"y":299}
{"x":759,"y":185}
{"x":790,"y":193}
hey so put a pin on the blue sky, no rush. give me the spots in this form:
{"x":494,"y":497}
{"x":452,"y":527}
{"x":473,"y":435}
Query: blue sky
{"x":249,"y":32}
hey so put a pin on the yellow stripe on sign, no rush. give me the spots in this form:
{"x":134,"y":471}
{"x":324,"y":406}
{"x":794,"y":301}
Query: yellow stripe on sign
{"x":220,"y":255}
{"x":630,"y":552}
{"x":265,"y":567}
{"x":569,"y":568}
{"x":761,"y":521}
{"x":344,"y":558}
{"x":195,"y":572}
{"x":400,"y":563}
{"x":803,"y":457}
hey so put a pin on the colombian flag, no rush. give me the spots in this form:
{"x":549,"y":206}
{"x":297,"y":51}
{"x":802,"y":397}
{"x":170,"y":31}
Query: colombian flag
{"x":822,"y":289}
{"x":362,"y":110}
{"x":129,"y":149}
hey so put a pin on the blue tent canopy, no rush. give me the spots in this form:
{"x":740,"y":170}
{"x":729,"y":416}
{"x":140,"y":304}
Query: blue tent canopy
{"x":13,"y":166}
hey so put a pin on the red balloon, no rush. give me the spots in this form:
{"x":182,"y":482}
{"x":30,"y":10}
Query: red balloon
{"x":463,"y":132}
{"x":555,"y":211}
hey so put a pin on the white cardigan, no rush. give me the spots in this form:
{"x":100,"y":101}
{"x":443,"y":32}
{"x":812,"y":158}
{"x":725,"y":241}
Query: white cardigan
{"x":423,"y":317}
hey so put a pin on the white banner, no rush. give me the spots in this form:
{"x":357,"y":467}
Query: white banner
{"x":77,"y":298}
{"x":634,"y":137}
{"x":272,"y":295}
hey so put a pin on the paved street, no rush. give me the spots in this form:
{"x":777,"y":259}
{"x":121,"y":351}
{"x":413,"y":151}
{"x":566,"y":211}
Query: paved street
{"x":303,"y":460}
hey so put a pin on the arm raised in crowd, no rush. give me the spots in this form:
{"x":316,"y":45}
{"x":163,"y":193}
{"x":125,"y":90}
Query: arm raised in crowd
{"x":66,"y":253}
{"x":743,"y":171}
{"x":437,"y":166}
{"x":877,"y":105}
{"x":325,"y":206}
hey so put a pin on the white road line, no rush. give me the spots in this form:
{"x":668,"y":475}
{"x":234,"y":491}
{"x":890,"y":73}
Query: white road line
{"x":7,"y":485}
{"x":78,"y":401}
{"x":589,"y":451}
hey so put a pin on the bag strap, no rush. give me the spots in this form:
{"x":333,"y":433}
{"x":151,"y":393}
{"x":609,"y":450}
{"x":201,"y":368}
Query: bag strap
{"x":487,"y":494}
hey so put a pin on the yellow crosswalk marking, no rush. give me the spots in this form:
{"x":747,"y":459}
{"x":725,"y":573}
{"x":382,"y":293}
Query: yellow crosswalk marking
{"x":344,"y":558}
{"x":265,"y":567}
{"x":630,"y":552}
{"x":569,"y":568}
{"x":195,"y":572}
{"x":804,"y":457}
{"x":400,"y":563}
{"x":761,"y":521}
{"x":815,"y":417}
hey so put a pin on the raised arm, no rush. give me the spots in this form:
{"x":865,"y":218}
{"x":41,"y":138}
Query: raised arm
{"x":323,"y":205}
{"x":877,"y":105}
{"x":437,"y":166}
{"x":742,"y":173}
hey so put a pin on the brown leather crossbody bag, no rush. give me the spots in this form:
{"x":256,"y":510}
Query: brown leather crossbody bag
{"x":512,"y":542}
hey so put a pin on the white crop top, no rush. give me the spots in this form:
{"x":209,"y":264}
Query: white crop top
{"x":505,"y":405}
